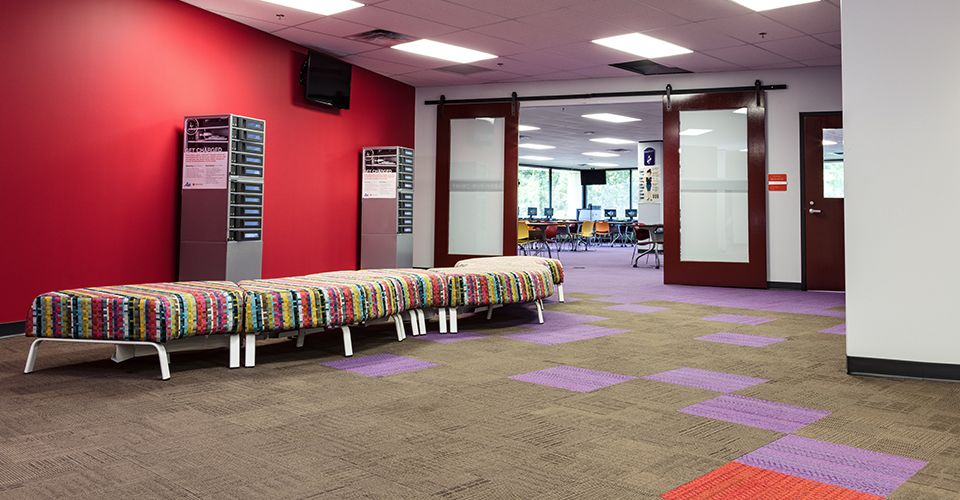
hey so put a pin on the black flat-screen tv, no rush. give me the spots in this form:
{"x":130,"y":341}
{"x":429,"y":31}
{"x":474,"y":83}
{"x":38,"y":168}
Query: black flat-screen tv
{"x":326,"y":81}
{"x":589,"y":177}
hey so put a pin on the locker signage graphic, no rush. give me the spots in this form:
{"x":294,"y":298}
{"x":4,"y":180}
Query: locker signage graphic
{"x":206,"y":152}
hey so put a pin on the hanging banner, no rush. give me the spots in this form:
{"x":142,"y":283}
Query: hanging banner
{"x":206,"y":149}
{"x":649,"y":170}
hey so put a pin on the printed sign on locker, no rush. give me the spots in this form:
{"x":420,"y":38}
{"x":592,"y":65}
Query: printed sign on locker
{"x":649,"y":172}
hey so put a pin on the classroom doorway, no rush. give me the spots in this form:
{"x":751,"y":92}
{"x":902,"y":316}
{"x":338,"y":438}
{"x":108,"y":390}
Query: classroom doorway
{"x":821,"y":200}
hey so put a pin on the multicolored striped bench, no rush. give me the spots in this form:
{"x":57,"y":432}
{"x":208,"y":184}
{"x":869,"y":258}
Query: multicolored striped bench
{"x":487,"y":287}
{"x":157,"y":316}
{"x":519,"y":262}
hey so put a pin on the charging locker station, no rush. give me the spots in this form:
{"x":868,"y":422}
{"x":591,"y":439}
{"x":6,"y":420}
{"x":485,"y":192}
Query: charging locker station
{"x":221,"y":204}
{"x":386,"y":219}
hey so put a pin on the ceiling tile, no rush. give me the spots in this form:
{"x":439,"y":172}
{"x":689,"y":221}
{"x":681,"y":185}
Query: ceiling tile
{"x":257,"y":9}
{"x":832,"y":38}
{"x":442,"y":12}
{"x":694,"y":36}
{"x":699,"y":10}
{"x":395,"y":21}
{"x":266,"y":26}
{"x":628,"y":15}
{"x":533,"y":37}
{"x":516,"y":8}
{"x":816,"y":17}
{"x":513,"y":66}
{"x":379,"y":66}
{"x":698,"y":62}
{"x":748,"y":28}
{"x":747,"y":55}
{"x":479,"y":41}
{"x":324,"y":43}
{"x":824,"y":61}
{"x":334,"y":26}
{"x":800,"y":49}
{"x":398,"y":56}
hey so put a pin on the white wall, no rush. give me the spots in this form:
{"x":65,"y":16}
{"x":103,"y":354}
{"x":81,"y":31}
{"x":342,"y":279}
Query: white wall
{"x":810,"y":89}
{"x":901,"y":90}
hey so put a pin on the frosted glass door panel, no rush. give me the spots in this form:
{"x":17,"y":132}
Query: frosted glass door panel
{"x":713,"y":187}
{"x":476,"y":186}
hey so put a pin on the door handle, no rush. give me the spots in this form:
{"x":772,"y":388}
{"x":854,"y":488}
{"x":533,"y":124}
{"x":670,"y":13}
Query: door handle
{"x":814,"y":211}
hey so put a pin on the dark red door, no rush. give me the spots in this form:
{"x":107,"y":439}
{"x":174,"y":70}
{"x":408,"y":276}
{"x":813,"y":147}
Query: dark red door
{"x":715,"y":212}
{"x":821,"y":202}
{"x":474,"y":179}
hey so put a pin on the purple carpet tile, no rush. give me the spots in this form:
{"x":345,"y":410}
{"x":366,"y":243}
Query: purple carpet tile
{"x":572,"y":378}
{"x":737,"y":318}
{"x":449,"y":338}
{"x":705,"y":379}
{"x":637,"y":308}
{"x":379,"y":365}
{"x":741,"y":339}
{"x":571,"y":334}
{"x":854,"y":468}
{"x":840,"y":329}
{"x":777,"y":417}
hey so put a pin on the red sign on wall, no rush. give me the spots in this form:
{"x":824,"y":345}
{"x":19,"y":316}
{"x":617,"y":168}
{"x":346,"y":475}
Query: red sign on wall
{"x":777,"y":182}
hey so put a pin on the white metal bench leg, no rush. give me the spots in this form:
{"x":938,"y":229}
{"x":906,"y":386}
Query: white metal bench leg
{"x":300,"y":338}
{"x":560,"y":291}
{"x":32,"y":356}
{"x":442,"y":312}
{"x":540,"y":311}
{"x":453,"y":320}
{"x":423,"y":321}
{"x":164,"y":361}
{"x":234,"y":350}
{"x":489,"y":312}
{"x":347,"y":342}
{"x":414,"y":326}
{"x":122,"y":353}
{"x":250,"y":350}
{"x":398,"y":323}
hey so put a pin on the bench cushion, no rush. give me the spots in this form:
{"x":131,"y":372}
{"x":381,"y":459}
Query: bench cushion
{"x":517,"y":261}
{"x":412,"y":288}
{"x":155,"y":312}
{"x":469,"y":286}
{"x":282,"y":304}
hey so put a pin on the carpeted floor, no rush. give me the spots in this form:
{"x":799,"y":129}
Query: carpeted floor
{"x":632,"y":389}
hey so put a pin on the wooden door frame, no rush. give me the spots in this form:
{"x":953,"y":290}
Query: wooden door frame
{"x":746,"y":275}
{"x":803,"y":189}
{"x":445,"y":113}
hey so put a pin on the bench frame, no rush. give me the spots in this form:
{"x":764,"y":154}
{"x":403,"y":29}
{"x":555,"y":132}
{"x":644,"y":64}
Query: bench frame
{"x":127,"y":349}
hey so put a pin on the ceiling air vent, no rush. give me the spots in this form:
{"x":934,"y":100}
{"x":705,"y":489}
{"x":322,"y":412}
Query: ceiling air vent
{"x":648,"y":67}
{"x":382,"y":37}
{"x":463,"y":69}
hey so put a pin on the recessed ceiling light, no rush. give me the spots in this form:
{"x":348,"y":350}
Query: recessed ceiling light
{"x":610,"y":117}
{"x":530,"y":145}
{"x":600,"y":154}
{"x":535,"y":158}
{"x":696,"y":131}
{"x":443,"y":51}
{"x":828,"y":142}
{"x":611,"y":140}
{"x":761,"y":5}
{"x":740,"y":111}
{"x":322,"y":7}
{"x":642,"y":45}
{"x":527,"y":128}
{"x":603,"y":164}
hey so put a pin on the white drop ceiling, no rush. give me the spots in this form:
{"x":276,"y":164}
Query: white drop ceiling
{"x":542,"y":40}
{"x":565,"y":128}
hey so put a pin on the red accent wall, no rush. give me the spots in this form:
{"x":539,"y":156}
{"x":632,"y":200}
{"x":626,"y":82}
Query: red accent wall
{"x":94,"y":94}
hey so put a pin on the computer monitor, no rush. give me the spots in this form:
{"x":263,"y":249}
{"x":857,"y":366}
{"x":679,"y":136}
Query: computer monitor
{"x":610,"y":213}
{"x":531,"y":212}
{"x":631,"y":213}
{"x":548,"y":213}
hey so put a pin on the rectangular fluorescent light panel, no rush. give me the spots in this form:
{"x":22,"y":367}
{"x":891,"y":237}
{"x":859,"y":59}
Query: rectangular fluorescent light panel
{"x":611,"y":140}
{"x":603,"y":164}
{"x":610,"y":117}
{"x":322,"y":7}
{"x":535,"y":158}
{"x":527,"y":128}
{"x":696,"y":131}
{"x":762,"y":5}
{"x":642,"y":45}
{"x":443,"y":51}
{"x":600,"y":154}
{"x":530,"y":145}
{"x":740,"y":111}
